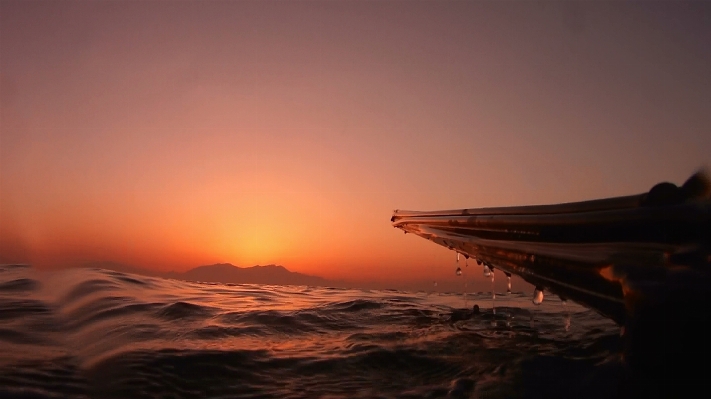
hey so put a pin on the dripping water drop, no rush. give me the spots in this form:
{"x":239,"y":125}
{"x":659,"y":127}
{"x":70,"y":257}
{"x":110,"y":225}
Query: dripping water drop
{"x":566,"y":322}
{"x":493,"y":294}
{"x":487,"y":271}
{"x":538,"y":296}
{"x":458,"y":271}
{"x":566,"y":314}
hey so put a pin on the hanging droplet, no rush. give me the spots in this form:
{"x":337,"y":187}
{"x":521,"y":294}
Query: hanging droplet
{"x":478,"y":262}
{"x":493,"y":294}
{"x":538,"y":296}
{"x":487,"y":271}
{"x":508,"y":283}
{"x":457,"y":257}
{"x":466,"y":261}
{"x":566,"y":315}
{"x":458,"y":271}
{"x":566,"y":322}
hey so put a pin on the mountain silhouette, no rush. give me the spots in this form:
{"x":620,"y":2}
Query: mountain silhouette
{"x":279,"y":275}
{"x":228,"y":273}
{"x":223,"y":273}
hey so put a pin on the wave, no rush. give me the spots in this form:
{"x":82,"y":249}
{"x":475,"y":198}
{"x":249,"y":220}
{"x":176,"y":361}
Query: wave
{"x":97,"y":333}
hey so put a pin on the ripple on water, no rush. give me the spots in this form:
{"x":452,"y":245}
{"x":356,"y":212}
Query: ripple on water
{"x":185,"y":310}
{"x":356,"y":305}
{"x":113,"y":335}
{"x":53,"y":378}
{"x":85,"y":288}
{"x":22,"y":308}
{"x":19,"y":285}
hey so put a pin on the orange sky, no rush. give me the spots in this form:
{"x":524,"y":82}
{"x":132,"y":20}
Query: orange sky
{"x":173,"y":134}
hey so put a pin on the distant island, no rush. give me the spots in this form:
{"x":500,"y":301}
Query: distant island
{"x":225,"y":273}
{"x":279,"y":275}
{"x":228,"y":273}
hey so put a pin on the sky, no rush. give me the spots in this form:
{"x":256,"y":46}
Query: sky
{"x":172,"y":134}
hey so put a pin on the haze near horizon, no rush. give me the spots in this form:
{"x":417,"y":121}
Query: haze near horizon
{"x":168,"y":135}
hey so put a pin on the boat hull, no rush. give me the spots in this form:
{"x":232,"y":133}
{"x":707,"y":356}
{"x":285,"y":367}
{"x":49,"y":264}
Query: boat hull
{"x":596,"y":253}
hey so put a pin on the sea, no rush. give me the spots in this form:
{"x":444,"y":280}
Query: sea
{"x":94,"y":333}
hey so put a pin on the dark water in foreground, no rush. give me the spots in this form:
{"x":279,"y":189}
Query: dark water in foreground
{"x":102,"y":334}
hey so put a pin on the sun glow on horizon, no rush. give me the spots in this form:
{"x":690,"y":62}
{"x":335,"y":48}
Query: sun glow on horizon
{"x":170,"y":135}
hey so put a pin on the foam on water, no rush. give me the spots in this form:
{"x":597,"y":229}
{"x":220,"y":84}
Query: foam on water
{"x":97,"y":333}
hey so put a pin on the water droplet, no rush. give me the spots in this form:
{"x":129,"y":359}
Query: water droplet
{"x":508,"y":284}
{"x":457,"y":257}
{"x":566,"y":322}
{"x":487,"y":271}
{"x":538,"y":296}
{"x":493,"y":294}
{"x":566,"y":314}
{"x":478,"y":262}
{"x":459,"y":271}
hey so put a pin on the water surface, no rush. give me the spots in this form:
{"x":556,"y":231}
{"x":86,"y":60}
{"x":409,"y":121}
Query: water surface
{"x":91,"y":333}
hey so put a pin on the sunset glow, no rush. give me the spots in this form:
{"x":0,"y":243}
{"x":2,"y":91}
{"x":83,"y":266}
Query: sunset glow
{"x":168,"y":135}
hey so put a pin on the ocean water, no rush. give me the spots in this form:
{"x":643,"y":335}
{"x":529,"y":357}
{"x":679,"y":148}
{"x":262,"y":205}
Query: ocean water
{"x":91,"y":333}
